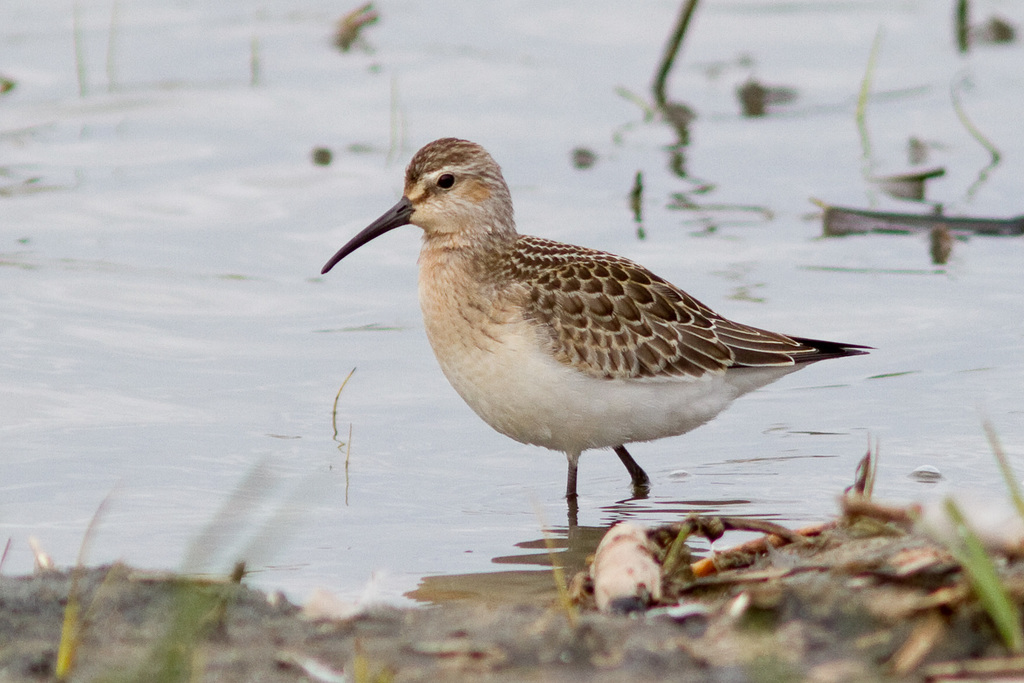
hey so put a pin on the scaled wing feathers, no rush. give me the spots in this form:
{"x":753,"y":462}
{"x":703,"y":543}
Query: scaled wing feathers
{"x":609,"y":317}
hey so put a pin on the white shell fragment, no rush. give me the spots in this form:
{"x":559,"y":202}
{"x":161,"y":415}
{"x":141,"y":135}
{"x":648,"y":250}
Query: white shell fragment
{"x":626,"y":576}
{"x":926,"y":474}
{"x":994,"y":520}
{"x":322,"y":604}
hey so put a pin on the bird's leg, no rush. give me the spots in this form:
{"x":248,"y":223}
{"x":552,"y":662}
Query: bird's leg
{"x":572,"y":514}
{"x":570,"y":482}
{"x":641,"y":482}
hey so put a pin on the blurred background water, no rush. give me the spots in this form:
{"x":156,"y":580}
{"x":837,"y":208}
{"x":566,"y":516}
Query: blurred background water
{"x":167,"y":345}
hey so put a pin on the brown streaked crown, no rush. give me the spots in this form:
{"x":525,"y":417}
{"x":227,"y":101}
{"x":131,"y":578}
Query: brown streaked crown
{"x":479,"y":200}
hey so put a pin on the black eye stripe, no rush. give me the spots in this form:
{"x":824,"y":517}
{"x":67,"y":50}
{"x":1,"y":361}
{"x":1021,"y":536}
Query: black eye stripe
{"x":445,"y":181}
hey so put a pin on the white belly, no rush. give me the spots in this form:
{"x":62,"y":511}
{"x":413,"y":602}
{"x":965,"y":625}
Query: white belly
{"x":505,"y":374}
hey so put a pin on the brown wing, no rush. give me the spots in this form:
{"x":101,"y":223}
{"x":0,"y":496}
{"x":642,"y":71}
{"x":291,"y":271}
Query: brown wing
{"x":609,"y":317}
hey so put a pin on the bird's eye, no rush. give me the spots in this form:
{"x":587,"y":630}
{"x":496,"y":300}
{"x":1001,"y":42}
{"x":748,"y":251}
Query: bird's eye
{"x":445,"y":181}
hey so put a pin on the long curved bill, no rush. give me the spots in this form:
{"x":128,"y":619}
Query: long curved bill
{"x":395,"y":217}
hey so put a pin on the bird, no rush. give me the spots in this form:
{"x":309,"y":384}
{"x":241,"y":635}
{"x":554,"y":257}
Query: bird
{"x":562,"y":346}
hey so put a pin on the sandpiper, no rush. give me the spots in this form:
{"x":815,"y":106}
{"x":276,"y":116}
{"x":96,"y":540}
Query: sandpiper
{"x":562,"y":346}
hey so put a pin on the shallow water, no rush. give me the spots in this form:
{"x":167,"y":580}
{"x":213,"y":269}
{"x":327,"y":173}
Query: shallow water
{"x":166,"y":335}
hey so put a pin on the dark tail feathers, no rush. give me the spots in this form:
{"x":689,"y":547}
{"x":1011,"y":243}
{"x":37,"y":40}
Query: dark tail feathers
{"x":828,"y":349}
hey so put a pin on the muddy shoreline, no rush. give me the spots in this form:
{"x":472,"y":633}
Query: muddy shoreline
{"x":855,"y":601}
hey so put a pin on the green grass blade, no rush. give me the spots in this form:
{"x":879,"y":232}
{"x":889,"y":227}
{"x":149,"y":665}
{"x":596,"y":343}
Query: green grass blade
{"x":982,"y":575}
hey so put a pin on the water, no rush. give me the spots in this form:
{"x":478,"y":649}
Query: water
{"x":165,"y":334}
